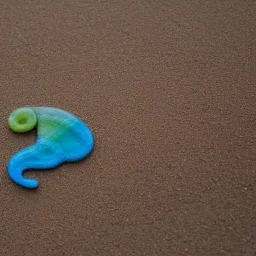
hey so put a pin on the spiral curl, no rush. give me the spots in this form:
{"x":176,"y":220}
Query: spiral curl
{"x":22,"y":120}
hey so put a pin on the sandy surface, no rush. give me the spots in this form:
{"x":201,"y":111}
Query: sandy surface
{"x":168,"y":88}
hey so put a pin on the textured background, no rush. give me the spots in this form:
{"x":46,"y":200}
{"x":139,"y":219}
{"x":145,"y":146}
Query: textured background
{"x":168,"y":88}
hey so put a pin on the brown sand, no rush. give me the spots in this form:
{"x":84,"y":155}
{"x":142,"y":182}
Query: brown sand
{"x":168,"y":88}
